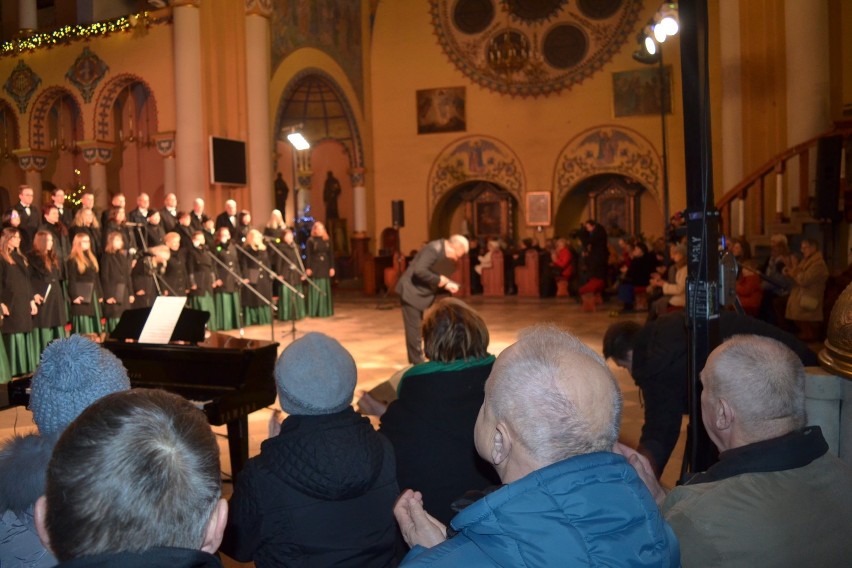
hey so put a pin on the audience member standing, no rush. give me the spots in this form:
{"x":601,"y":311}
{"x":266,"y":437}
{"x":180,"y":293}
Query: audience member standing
{"x":322,"y":489}
{"x":804,"y":306}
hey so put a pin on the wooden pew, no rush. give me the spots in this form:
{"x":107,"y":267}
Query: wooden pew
{"x":526,"y":277}
{"x":492,"y":277}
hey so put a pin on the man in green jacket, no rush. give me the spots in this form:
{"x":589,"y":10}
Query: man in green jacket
{"x":777,"y":497}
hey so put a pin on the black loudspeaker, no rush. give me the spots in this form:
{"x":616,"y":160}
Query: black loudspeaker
{"x":398,"y":213}
{"x":827,"y":186}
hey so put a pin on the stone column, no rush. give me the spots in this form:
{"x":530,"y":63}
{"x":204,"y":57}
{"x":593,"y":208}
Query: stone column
{"x":27,"y":15}
{"x":190,"y":149}
{"x":359,"y":195}
{"x":32,"y":162}
{"x":98,"y":154}
{"x":258,"y":52}
{"x":165,"y":143}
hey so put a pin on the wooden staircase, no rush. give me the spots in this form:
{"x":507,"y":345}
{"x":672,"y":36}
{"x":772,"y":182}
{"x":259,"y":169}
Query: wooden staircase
{"x":755,"y":209}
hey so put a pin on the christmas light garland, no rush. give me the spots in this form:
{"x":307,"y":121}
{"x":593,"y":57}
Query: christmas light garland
{"x":69,"y":34}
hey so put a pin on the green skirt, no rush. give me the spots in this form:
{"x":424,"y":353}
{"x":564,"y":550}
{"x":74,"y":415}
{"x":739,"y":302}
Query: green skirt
{"x":205,"y":304}
{"x":111,"y":323}
{"x":21,"y":351}
{"x":290,"y":306}
{"x":257,"y":316}
{"x":226,"y":310}
{"x":42,"y":336}
{"x":5,"y":368}
{"x":320,"y":306}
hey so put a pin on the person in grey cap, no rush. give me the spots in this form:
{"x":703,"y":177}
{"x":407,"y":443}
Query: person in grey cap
{"x":321,"y":492}
{"x":73,"y":373}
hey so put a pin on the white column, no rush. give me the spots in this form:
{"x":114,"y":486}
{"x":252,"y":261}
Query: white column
{"x":806,"y":29}
{"x":27,"y":15}
{"x":33,"y":178}
{"x":257,"y":101}
{"x":98,"y":176}
{"x":170,"y":179}
{"x":732,"y":97}
{"x":359,"y":194}
{"x":190,"y":147}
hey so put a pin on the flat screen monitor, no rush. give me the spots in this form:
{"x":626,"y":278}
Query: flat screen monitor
{"x":227,"y":161}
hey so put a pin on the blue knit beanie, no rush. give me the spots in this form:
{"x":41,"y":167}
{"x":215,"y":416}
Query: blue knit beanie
{"x":73,"y":373}
{"x":315,"y":375}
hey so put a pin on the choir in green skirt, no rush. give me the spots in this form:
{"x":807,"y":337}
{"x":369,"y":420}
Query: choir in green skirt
{"x":290,"y":305}
{"x":226,"y":310}
{"x":319,"y":301}
{"x":5,"y":369}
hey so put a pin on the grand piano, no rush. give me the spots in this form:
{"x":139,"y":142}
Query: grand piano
{"x":227,"y":377}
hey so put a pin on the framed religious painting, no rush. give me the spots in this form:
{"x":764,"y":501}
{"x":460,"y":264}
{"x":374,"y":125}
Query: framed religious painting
{"x":538,"y":213}
{"x":441,"y":110}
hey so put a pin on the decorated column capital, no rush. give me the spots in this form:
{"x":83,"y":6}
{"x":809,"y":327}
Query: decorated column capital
{"x":304,"y":178}
{"x":165,"y":143}
{"x":356,"y":176}
{"x":259,"y":8}
{"x":31,"y":160}
{"x":96,"y":151}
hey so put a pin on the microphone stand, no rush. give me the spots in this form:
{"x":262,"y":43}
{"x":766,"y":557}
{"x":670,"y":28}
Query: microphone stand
{"x":240,"y":282}
{"x":271,"y":272}
{"x":301,"y":272}
{"x":150,"y":263}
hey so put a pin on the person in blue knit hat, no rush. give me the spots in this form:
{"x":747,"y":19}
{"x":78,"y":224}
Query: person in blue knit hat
{"x":327,"y":465}
{"x":73,"y":373}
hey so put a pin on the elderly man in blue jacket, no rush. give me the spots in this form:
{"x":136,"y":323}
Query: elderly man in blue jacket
{"x":548,"y":425}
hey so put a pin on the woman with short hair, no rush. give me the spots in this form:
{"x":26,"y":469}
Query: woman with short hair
{"x":431,"y":422}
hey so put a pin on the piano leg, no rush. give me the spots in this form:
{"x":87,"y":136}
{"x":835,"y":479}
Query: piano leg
{"x":238,"y":438}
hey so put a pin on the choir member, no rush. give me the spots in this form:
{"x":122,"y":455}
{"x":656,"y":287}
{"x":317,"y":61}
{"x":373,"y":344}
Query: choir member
{"x":255,"y":311}
{"x":226,"y":295}
{"x":86,"y":223}
{"x":290,"y":305}
{"x":145,"y":267}
{"x":175,"y":275}
{"x":117,"y":223}
{"x":320,"y":267}
{"x":154,"y":232}
{"x":17,"y":303}
{"x":46,"y":279}
{"x":199,"y":267}
{"x":116,"y":281}
{"x":84,"y":285}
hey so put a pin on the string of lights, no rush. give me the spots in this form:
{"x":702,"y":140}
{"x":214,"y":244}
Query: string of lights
{"x":69,"y":34}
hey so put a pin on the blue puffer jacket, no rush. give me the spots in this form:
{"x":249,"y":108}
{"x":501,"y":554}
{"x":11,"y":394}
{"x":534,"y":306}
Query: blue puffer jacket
{"x":589,"y":510}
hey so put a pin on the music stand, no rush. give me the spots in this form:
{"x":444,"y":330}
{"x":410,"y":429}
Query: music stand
{"x":190,"y":326}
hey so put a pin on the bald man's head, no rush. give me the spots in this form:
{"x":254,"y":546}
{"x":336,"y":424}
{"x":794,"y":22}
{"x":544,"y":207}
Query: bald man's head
{"x":556,"y":394}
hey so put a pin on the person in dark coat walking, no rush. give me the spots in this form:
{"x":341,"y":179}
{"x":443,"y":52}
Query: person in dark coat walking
{"x":430,"y":422}
{"x":323,"y":488}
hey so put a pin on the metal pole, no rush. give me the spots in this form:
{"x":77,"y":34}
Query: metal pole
{"x":702,"y":305}
{"x":663,"y":105}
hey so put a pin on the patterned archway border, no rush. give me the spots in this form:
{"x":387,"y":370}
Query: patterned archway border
{"x":608,"y":149}
{"x":475,"y":158}
{"x":355,"y":150}
{"x":12,"y":123}
{"x":104,"y":119}
{"x":38,"y":117}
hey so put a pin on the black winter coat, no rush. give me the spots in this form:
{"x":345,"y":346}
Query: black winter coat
{"x":75,"y":279}
{"x":17,"y":293}
{"x":431,"y":428}
{"x":51,"y":312}
{"x":321,"y":493}
{"x":116,"y":283}
{"x":227,"y":254}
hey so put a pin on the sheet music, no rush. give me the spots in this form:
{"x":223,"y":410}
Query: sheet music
{"x":162,"y":320}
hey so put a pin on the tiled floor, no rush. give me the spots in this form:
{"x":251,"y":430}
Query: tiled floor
{"x":371,"y":330}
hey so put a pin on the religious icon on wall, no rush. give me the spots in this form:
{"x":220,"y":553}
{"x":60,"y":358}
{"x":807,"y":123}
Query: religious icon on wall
{"x":441,"y":110}
{"x":638,"y":91}
{"x":538,"y":208}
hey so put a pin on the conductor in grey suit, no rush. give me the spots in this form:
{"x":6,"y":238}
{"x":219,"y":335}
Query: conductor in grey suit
{"x":425,"y":277}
